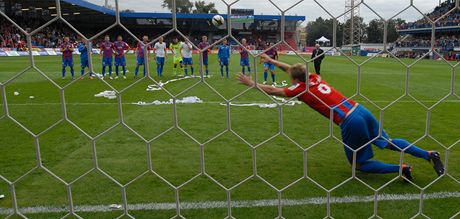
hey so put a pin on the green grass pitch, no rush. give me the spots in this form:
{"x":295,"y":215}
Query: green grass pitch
{"x":124,"y":156}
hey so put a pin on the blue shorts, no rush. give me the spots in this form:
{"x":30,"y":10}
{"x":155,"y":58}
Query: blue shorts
{"x":67,"y":62}
{"x":160,"y":60}
{"x":187,"y":61}
{"x":223,"y":61}
{"x":84,"y":63}
{"x":140,"y":61}
{"x":205,"y":61}
{"x":269,"y":66}
{"x":107,"y":61}
{"x":120,"y":61}
{"x":244,"y":62}
{"x":362,"y":128}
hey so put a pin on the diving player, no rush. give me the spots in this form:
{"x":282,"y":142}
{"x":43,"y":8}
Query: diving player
{"x":360,"y":129}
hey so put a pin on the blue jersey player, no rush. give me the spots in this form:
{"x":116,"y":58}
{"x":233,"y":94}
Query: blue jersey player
{"x":204,"y":45}
{"x":224,"y":55}
{"x":244,"y":61}
{"x":107,"y":48}
{"x":67,"y":59}
{"x":84,"y":59}
{"x":120,"y":57}
{"x":359,"y":128}
{"x":272,"y":53}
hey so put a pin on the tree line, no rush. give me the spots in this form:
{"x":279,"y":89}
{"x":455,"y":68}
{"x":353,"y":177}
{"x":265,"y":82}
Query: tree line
{"x":371,"y":32}
{"x":186,"y":7}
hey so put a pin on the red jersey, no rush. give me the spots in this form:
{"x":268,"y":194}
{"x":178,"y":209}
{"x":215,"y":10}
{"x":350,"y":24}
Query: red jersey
{"x":322,"y":98}
{"x":67,"y":50}
{"x":244,"y":52}
{"x":141,"y":50}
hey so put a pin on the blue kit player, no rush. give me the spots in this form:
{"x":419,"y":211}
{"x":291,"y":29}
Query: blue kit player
{"x":202,"y":45}
{"x":107,"y":48}
{"x":67,"y":59}
{"x":272,"y":53}
{"x":120,"y":55}
{"x":223,"y":55}
{"x":159,"y":50}
{"x":359,"y":128}
{"x":84,"y":59}
{"x":141,"y":55}
{"x":244,"y":61}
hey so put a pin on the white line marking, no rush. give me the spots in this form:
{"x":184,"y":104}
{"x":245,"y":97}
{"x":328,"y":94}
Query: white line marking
{"x":237,"y":204}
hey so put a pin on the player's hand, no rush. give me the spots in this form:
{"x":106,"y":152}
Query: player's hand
{"x":245,"y":80}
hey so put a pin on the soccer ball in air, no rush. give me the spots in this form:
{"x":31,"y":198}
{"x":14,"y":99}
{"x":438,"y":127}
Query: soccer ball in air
{"x":218,"y":20}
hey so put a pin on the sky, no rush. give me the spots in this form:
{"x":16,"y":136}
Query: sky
{"x":385,"y":8}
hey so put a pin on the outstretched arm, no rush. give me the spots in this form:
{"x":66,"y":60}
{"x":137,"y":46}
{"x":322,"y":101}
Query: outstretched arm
{"x":283,"y":66}
{"x":266,"y":88}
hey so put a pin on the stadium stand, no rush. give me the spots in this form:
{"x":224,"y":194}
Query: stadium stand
{"x":415,"y":39}
{"x":82,"y":14}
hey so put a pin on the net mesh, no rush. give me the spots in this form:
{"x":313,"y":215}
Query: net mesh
{"x":229,"y":202}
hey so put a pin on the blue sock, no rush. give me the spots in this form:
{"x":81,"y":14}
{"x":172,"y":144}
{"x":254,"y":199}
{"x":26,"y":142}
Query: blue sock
{"x":372,"y":166}
{"x":413,"y":150}
{"x":63,"y":71}
{"x":124,"y":70}
{"x":110,"y":71}
{"x":222,"y":70}
{"x":191,"y":69}
{"x":145,"y":71}
{"x":158,"y":70}
{"x":82,"y":71}
{"x":116,"y":70}
{"x":273,"y":77}
{"x":265,"y":75}
{"x":185,"y":71}
{"x":207,"y":72}
{"x":243,"y":69}
{"x":103,"y":71}
{"x":249,"y":70}
{"x":226,"y":70}
{"x":137,"y":70}
{"x":72,"y":71}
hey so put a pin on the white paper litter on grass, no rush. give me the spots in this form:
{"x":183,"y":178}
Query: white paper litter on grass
{"x":115,"y":206}
{"x":109,"y":94}
{"x":185,"y":100}
{"x":16,"y":93}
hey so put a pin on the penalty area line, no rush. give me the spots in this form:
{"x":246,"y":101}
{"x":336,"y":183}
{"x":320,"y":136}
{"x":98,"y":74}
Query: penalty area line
{"x":237,"y":204}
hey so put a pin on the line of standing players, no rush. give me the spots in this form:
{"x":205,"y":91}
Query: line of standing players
{"x":182,"y":57}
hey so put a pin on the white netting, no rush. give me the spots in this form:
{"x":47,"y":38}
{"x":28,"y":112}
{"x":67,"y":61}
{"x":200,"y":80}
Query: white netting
{"x":115,"y":93}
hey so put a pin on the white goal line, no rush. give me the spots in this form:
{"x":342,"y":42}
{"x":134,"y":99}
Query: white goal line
{"x":237,"y":204}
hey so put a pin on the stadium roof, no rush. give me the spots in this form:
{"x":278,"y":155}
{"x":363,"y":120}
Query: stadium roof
{"x":101,"y":9}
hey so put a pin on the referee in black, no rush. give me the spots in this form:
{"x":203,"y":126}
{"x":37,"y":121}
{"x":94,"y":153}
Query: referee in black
{"x":318,"y":53}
